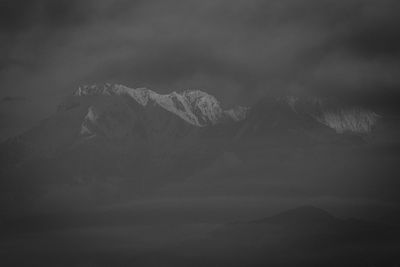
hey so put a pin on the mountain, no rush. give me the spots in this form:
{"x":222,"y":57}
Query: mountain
{"x":123,"y":116}
{"x":307,"y":117}
{"x":140,"y":139}
{"x":108,"y":126}
{"x":120,"y":116}
{"x":132,"y":136}
{"x":194,"y":106}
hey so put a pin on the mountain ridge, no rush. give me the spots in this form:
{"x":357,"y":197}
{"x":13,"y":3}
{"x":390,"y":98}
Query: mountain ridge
{"x":194,"y":106}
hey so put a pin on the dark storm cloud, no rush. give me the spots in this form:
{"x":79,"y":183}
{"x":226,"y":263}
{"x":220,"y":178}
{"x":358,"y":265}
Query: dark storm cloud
{"x":237,"y":50}
{"x":16,"y":15}
{"x":19,"y":15}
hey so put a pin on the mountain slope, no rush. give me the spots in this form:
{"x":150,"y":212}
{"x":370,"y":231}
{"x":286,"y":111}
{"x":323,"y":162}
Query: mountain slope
{"x":308,"y":118}
{"x":194,"y":106}
{"x":150,"y":139}
{"x":137,"y":135}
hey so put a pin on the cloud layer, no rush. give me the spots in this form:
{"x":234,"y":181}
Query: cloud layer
{"x":236,"y":50}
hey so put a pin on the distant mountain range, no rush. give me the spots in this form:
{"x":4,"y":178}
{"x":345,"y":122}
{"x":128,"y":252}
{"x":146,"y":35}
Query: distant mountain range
{"x":201,"y":109}
{"x":115,"y":131}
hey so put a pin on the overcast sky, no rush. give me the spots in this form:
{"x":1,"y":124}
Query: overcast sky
{"x":236,"y":50}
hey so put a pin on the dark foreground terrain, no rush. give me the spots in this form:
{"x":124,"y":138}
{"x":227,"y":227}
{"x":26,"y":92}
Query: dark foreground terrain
{"x":304,"y":236}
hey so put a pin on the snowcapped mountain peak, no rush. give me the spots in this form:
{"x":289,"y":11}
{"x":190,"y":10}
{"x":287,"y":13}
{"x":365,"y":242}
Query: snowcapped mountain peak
{"x":206,"y":107}
{"x":194,"y":106}
{"x":193,"y":94}
{"x":141,"y":95}
{"x":88,"y":90}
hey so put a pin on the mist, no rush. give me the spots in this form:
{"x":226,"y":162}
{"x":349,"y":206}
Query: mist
{"x":203,"y":133}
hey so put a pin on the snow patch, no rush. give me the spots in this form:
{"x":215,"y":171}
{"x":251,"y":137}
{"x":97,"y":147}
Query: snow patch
{"x":354,"y":120}
{"x":89,"y":120}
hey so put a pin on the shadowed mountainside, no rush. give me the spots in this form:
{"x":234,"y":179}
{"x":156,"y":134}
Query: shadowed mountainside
{"x":139,"y":141}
